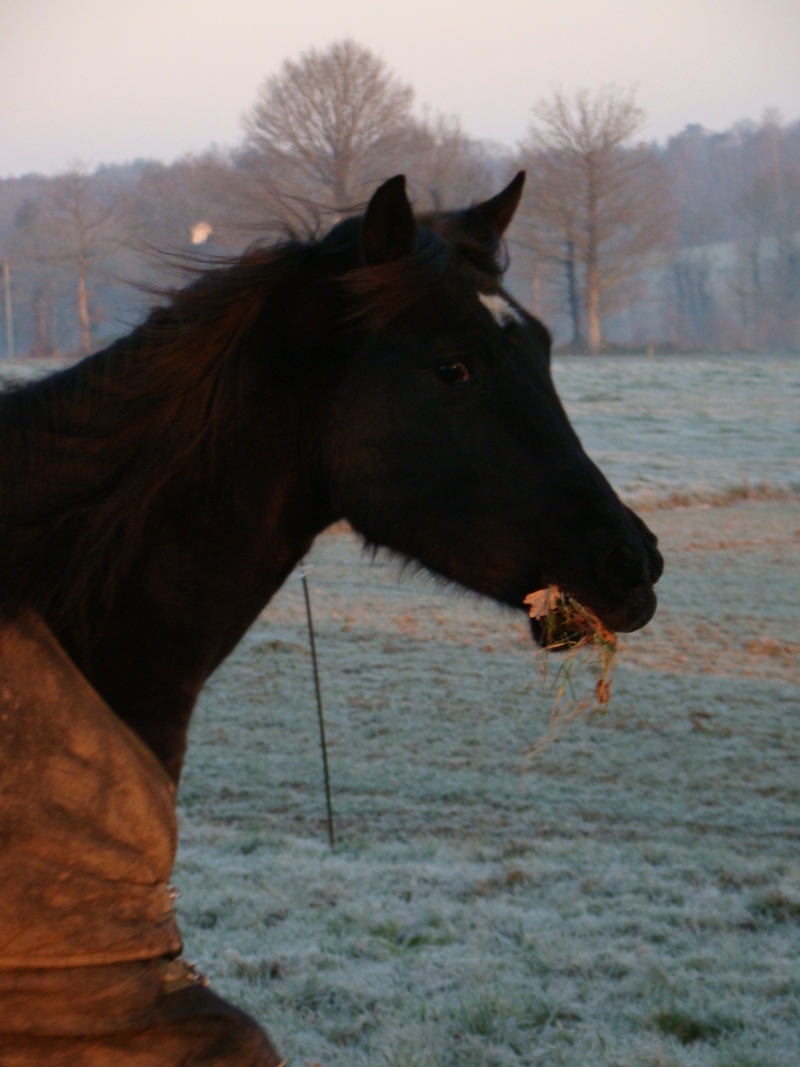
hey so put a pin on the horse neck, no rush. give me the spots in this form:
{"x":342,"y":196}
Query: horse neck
{"x":217,"y":543}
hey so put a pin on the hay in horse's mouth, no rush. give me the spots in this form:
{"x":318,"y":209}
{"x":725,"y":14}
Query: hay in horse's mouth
{"x":566,"y":624}
{"x":570,"y":627}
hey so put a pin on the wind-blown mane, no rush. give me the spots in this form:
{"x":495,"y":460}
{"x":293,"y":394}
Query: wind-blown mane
{"x":84,"y":453}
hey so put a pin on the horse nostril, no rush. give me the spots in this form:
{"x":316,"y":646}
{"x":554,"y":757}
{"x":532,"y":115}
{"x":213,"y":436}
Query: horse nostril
{"x":623,"y":570}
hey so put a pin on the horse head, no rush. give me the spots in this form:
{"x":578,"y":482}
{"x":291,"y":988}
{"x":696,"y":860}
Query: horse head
{"x":447,"y":441}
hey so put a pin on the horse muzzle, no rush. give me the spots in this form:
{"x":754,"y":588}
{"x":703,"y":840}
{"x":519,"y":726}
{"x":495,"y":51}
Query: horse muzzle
{"x":618,"y":587}
{"x":626,"y":580}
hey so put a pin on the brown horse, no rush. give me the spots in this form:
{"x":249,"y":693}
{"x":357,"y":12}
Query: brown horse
{"x":154,"y":498}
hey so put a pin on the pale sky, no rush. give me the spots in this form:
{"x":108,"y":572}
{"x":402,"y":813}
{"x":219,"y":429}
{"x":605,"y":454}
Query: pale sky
{"x":109,"y":81}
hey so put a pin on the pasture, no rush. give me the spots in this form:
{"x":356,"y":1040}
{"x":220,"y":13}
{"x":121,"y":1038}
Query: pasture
{"x":630,"y":898}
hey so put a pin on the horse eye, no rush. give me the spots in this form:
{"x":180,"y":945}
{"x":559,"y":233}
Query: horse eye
{"x":453,"y":372}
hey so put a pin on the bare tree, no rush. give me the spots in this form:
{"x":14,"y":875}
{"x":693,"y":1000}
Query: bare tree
{"x":597,"y":208}
{"x":692,"y":299}
{"x":766,"y":281}
{"x":446,"y":167}
{"x":329,"y":114}
{"x":71,"y":230}
{"x":549,"y":227}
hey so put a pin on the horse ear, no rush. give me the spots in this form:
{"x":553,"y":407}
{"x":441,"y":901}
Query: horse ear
{"x":388,"y":229}
{"x":495,"y":215}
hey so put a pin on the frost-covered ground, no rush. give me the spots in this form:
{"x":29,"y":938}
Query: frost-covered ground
{"x":630,"y":898}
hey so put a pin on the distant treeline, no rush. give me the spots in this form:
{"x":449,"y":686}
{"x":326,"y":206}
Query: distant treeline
{"x":619,"y":244}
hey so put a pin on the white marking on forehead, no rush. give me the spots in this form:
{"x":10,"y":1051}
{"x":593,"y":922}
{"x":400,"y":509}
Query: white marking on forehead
{"x":499,"y":308}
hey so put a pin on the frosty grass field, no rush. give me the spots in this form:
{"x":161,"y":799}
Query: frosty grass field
{"x":630,"y":897}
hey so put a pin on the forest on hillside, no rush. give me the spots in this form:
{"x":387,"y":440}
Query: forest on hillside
{"x":619,"y":245}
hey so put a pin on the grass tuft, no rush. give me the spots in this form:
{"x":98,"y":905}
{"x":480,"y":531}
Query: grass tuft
{"x":776,"y":906}
{"x":689,"y":1028}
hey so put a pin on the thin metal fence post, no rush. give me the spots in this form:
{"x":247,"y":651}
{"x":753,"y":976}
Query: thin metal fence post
{"x":320,"y":712}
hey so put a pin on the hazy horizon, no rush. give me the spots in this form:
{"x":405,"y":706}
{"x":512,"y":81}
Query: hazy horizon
{"x":84,"y":80}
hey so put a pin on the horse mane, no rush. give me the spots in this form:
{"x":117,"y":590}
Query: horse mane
{"x":85,"y":452}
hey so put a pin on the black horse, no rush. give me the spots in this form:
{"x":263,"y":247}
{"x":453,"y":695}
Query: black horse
{"x":157,"y":494}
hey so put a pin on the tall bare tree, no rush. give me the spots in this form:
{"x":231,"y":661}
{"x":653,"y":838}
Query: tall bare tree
{"x":71,"y":229}
{"x":329,"y":114}
{"x":598,"y":207}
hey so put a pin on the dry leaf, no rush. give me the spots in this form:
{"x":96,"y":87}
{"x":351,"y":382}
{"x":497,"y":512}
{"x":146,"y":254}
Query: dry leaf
{"x":540,"y":602}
